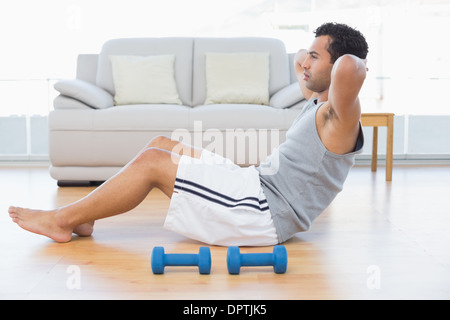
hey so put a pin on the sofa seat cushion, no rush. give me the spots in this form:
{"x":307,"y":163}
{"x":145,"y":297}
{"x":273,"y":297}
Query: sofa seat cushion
{"x":171,"y":117}
{"x":121,"y":118}
{"x":242,"y":116}
{"x":111,"y":137}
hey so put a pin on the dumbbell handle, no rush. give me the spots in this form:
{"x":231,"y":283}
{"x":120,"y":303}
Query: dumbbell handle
{"x":180,"y":259}
{"x":256,"y":259}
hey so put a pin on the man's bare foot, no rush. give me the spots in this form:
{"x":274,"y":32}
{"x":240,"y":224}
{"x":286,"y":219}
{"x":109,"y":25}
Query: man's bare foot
{"x":85,"y":229}
{"x":41,"y":222}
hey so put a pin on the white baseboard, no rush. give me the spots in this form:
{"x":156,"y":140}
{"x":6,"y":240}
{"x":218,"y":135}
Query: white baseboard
{"x":25,"y":164}
{"x":361,"y":160}
{"x":24,"y":161}
{"x":410,"y":159}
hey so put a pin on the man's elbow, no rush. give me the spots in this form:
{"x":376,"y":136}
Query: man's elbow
{"x":350,"y":65}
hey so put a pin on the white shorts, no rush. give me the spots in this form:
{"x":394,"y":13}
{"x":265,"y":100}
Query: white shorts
{"x":219,"y":203}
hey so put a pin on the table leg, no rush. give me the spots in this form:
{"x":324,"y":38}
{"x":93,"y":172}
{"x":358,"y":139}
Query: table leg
{"x":390,"y":147}
{"x":375,"y":149}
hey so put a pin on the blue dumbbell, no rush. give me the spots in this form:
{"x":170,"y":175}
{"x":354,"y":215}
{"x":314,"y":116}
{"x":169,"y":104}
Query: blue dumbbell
{"x":160,"y":260}
{"x":277,"y":259}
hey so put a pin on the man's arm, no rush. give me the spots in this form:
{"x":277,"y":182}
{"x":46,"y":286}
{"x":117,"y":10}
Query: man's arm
{"x":299,"y":58}
{"x":347,"y":78}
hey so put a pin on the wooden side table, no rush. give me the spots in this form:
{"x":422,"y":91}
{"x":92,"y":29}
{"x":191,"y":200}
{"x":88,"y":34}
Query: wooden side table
{"x":376,"y":120}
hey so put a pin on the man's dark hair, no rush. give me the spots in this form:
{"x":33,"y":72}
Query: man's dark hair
{"x":344,"y":40}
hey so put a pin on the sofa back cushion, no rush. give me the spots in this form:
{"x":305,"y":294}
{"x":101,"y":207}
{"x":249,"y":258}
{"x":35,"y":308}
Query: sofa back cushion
{"x":182,"y":48}
{"x":279,"y":75}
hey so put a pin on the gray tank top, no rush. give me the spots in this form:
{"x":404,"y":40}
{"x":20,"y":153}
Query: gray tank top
{"x":301,"y":178}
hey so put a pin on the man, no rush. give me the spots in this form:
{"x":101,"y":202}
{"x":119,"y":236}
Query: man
{"x":217,"y":202}
{"x":321,"y":144}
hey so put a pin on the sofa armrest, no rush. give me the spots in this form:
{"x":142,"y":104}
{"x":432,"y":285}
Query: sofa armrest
{"x":85,"y":92}
{"x":287,"y":97}
{"x":62,"y":103}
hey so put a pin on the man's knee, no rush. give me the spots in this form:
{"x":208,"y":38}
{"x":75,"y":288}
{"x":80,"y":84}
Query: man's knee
{"x":159,"y":142}
{"x":159,"y":166}
{"x":156,"y":157}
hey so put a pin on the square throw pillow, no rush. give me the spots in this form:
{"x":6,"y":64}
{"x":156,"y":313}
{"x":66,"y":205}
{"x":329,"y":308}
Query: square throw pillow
{"x":144,"y":80}
{"x":237,"y":78}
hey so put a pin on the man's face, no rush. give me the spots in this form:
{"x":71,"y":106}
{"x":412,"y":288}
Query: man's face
{"x":318,"y":65}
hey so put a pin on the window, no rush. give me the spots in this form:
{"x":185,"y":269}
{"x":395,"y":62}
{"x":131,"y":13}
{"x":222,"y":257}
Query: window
{"x":408,"y":61}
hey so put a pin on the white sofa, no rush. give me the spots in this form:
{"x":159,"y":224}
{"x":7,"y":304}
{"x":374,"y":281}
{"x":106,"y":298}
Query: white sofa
{"x":92,"y":134}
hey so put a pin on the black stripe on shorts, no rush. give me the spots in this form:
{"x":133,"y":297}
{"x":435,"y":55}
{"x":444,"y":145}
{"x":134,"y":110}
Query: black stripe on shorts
{"x":219,"y":198}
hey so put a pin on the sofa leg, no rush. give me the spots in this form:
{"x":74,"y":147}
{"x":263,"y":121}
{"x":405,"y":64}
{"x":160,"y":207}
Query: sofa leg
{"x":78,"y":183}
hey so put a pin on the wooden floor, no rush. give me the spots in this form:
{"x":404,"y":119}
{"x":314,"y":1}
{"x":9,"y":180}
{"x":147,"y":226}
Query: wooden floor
{"x":378,"y":240}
